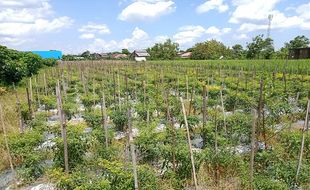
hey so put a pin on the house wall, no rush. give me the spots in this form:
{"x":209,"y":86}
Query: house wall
{"x":140,"y":59}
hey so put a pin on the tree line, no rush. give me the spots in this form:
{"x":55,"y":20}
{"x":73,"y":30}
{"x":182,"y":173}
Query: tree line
{"x":258,"y":48}
{"x":15,"y":65}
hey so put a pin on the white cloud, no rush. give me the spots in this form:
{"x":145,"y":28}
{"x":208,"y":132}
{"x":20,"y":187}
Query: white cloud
{"x":254,"y":10}
{"x":87,"y":36}
{"x":95,"y":28}
{"x":279,"y":21}
{"x":15,"y":29}
{"x":143,"y":10}
{"x":187,"y":35}
{"x":139,"y":40}
{"x":161,"y":39}
{"x":304,"y":11}
{"x":253,"y":16}
{"x":219,"y":5}
{"x":21,"y":20}
{"x":240,"y":36}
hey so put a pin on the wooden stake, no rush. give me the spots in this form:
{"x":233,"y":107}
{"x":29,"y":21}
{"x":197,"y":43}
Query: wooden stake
{"x":304,"y":131}
{"x":45,"y":85}
{"x":104,"y":119}
{"x":63,"y":126}
{"x":223,"y":110}
{"x":187,"y":94}
{"x":189,"y":144}
{"x":29,"y":103}
{"x":7,"y":145}
{"x":132,"y":150}
{"x":253,"y":142}
{"x":21,"y":121}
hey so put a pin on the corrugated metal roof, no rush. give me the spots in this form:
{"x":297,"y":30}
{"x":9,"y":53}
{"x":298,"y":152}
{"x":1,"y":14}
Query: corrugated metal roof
{"x":142,"y":53}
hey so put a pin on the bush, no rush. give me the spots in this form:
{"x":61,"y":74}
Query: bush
{"x":120,"y":119}
{"x":77,"y":146}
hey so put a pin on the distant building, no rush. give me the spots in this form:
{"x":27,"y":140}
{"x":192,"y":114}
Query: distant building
{"x":119,"y":56}
{"x":105,"y":55}
{"x":186,"y":55}
{"x":299,"y":53}
{"x":139,"y":55}
{"x":52,"y":54}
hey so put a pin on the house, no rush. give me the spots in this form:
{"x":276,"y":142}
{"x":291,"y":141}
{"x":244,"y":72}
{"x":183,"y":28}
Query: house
{"x":105,"y":55}
{"x":139,"y":55}
{"x":51,"y":54}
{"x":119,"y":56}
{"x":299,"y":53}
{"x":186,"y":55}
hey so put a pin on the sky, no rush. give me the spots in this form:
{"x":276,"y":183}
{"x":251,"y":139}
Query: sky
{"x":74,"y":26}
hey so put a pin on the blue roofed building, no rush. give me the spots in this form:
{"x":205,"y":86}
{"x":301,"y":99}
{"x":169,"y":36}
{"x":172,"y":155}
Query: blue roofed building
{"x":51,"y":54}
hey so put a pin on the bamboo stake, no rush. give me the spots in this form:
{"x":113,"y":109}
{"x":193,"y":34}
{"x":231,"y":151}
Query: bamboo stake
{"x":29,"y":103}
{"x":132,"y":150}
{"x":223,"y":109}
{"x":21,"y":122}
{"x":204,"y":113}
{"x":170,"y":121}
{"x":63,"y":126}
{"x":253,"y":142}
{"x":189,"y":143}
{"x":30,"y":88}
{"x":304,"y":131}
{"x":187,"y":94}
{"x":118,"y":92}
{"x":7,"y":145}
{"x":104,"y":119}
{"x":45,"y":85}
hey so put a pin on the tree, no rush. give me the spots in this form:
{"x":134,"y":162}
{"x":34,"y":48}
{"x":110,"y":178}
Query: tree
{"x":210,"y":50}
{"x":237,"y":51}
{"x":298,"y":42}
{"x":267,"y":49}
{"x":260,"y":48}
{"x":86,"y":54}
{"x":125,"y":51}
{"x":164,"y":51}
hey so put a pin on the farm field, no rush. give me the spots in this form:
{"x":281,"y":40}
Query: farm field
{"x":237,"y":124}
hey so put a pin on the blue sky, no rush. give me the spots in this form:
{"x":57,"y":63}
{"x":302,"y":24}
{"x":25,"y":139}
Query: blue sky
{"x":74,"y":26}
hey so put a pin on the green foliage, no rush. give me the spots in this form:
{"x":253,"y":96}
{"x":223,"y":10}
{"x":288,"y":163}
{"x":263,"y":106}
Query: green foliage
{"x":90,"y":100}
{"x":164,"y":51}
{"x":78,"y":180}
{"x":298,"y":42}
{"x":77,"y":146}
{"x":120,"y":119}
{"x":93,"y":119}
{"x":26,"y":155}
{"x":260,"y":48}
{"x":265,"y":183}
{"x":14,"y":65}
{"x":49,"y":102}
{"x":237,"y":52}
{"x":210,"y":50}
